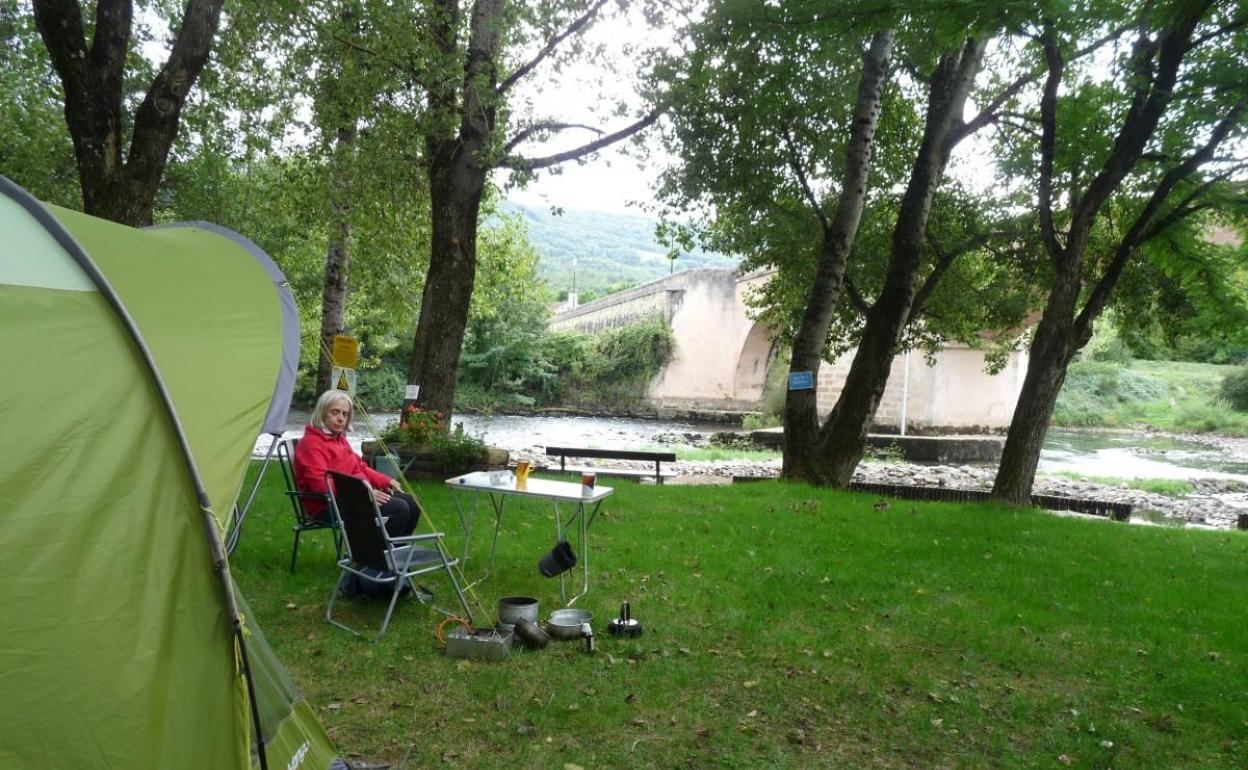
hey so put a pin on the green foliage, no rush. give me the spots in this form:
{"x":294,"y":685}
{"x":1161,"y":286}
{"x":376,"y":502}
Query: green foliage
{"x":620,"y":363}
{"x":35,"y":147}
{"x":457,"y":449}
{"x":1234,"y":389}
{"x":1164,"y":395}
{"x":1094,"y":389}
{"x":594,"y":371}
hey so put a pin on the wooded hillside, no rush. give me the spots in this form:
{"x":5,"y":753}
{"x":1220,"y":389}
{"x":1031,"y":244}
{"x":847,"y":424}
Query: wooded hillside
{"x":612,"y":251}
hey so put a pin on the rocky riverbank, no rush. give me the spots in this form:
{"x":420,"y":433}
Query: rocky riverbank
{"x":1212,"y":503}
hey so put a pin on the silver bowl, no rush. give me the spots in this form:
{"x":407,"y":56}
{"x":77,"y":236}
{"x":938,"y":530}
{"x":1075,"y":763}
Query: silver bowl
{"x":566,"y":624}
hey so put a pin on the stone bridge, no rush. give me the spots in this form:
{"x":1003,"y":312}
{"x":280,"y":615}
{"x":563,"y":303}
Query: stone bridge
{"x":723,"y":356}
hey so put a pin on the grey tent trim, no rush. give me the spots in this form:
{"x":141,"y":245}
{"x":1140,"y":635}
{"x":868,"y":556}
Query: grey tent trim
{"x":220,"y":566}
{"x":283,"y":391}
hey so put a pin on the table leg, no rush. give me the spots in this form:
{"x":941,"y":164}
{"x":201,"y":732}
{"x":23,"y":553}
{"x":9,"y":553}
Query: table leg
{"x":498,"y":501}
{"x":466,"y":523}
{"x":559,"y":536}
{"x":585,"y":519}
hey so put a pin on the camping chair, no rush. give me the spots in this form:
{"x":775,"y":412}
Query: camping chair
{"x":304,"y":522}
{"x":391,"y":560}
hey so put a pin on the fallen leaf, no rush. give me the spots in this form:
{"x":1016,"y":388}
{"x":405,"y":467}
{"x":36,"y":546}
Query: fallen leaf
{"x":571,"y":766}
{"x":334,"y":706}
{"x":1065,"y":760}
{"x":292,"y":606}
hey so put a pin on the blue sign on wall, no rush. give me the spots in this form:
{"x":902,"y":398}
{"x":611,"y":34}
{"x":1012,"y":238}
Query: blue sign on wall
{"x":801,"y":380}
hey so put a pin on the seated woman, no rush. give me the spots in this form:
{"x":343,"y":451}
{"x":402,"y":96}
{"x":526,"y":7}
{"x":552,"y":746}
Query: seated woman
{"x":324,"y":448}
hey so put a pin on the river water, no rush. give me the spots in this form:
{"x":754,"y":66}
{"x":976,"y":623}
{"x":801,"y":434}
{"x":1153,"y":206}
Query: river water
{"x":1123,"y":455}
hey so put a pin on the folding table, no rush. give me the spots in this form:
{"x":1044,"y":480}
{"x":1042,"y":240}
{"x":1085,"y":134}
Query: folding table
{"x":559,"y":493}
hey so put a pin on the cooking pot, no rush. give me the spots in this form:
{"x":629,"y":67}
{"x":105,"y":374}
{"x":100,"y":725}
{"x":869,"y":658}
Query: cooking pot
{"x":512,"y":608}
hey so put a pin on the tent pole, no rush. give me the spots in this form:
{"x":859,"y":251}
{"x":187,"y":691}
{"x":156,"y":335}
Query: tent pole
{"x":236,"y":532}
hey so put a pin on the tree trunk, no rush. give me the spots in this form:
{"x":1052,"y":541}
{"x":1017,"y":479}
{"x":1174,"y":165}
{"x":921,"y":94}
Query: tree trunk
{"x":457,"y":169}
{"x":843,"y":438}
{"x":337,"y":255}
{"x":801,"y":421}
{"x":1051,"y":351}
{"x":121,"y":190}
{"x":455,"y":190}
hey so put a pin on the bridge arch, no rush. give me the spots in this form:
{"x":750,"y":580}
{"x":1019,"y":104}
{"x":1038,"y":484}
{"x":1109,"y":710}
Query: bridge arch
{"x":757,"y":353}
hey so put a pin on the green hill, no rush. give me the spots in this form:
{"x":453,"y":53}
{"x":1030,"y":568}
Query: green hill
{"x":612,"y":251}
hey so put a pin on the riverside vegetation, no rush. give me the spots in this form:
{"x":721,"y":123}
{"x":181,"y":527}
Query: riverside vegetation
{"x":1174,"y":396}
{"x":789,"y":626}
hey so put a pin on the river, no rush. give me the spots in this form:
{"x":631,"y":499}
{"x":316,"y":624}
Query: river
{"x":1116,"y":454}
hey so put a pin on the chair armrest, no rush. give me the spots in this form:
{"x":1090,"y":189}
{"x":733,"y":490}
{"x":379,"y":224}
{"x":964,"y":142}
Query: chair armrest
{"x":309,"y":495}
{"x":417,"y":538}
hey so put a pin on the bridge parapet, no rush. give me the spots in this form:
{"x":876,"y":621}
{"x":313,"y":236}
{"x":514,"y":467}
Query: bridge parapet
{"x":661,"y":297}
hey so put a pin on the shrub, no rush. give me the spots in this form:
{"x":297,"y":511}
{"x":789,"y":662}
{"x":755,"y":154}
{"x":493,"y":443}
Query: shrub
{"x":416,"y":427}
{"x":1234,"y":390}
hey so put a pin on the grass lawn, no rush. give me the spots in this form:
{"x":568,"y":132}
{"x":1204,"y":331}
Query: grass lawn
{"x":793,"y":627}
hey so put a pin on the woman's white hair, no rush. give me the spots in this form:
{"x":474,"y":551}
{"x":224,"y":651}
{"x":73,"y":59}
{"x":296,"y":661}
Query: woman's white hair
{"x":328,"y":399}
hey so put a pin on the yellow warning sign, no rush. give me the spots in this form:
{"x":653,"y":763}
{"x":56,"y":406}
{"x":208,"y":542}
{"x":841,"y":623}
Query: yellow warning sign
{"x":345,"y":351}
{"x":342,"y":378}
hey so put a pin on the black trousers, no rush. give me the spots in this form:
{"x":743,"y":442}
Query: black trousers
{"x":402,"y":512}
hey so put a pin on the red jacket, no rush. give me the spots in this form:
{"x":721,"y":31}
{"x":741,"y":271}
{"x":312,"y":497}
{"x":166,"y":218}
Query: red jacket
{"x":318,"y":452}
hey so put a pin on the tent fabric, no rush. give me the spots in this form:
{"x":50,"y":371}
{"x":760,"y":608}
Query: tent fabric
{"x":279,"y":407}
{"x":117,"y":642}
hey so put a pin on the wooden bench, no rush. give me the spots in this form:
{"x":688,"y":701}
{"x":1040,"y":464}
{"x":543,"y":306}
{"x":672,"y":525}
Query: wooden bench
{"x":615,"y":454}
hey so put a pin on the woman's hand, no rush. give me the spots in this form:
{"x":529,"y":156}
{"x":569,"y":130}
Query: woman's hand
{"x":395,"y":486}
{"x":381,"y":496}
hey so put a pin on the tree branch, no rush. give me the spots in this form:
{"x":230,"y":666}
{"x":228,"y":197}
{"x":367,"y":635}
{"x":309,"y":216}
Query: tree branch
{"x":551,"y":126}
{"x":1048,"y":133}
{"x":1141,"y":225}
{"x":989,"y":113}
{"x":795,"y":162}
{"x":518,"y":163}
{"x":576,"y":26}
{"x":60,"y":25}
{"x":855,"y":296}
{"x":156,"y":121}
{"x":1222,"y":30}
{"x":1152,"y":95}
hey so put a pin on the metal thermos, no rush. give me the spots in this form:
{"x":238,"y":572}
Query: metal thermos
{"x":587,"y":633}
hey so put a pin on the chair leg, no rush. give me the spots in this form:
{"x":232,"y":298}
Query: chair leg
{"x":329,"y":609}
{"x":394,"y":599}
{"x":294,"y":551}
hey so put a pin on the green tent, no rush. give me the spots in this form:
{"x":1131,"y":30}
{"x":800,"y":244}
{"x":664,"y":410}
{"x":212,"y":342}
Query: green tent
{"x":140,"y":367}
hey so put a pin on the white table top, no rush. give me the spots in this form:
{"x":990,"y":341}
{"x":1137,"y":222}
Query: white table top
{"x":563,"y":491}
